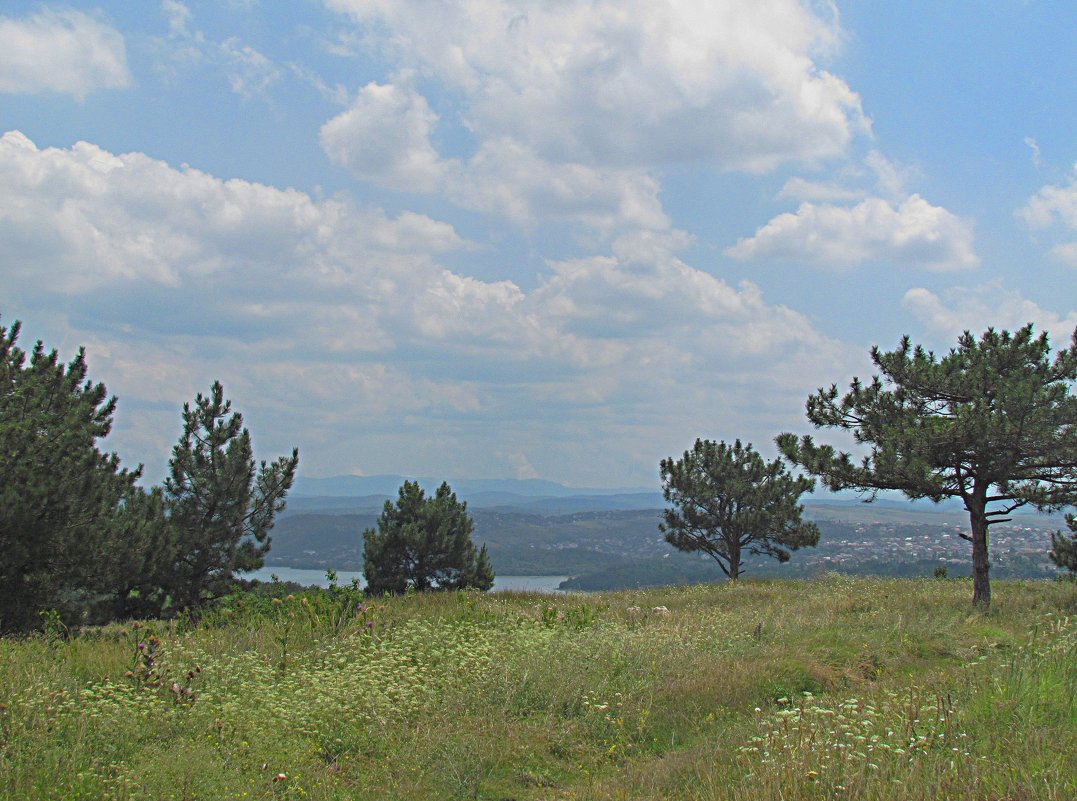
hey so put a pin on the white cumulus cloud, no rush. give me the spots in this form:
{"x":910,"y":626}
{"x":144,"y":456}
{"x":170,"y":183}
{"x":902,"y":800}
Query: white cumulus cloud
{"x":84,"y":220}
{"x":60,"y":51}
{"x":638,"y":83}
{"x":174,"y":277}
{"x":384,"y":137}
{"x":571,"y":111}
{"x":914,"y":233}
{"x":508,"y":179}
{"x":985,"y":306}
{"x":1055,"y":205}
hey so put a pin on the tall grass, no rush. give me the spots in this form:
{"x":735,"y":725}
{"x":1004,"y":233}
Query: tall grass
{"x":837,"y":688}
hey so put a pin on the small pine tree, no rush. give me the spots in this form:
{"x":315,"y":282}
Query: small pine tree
{"x":424,"y":543}
{"x":726,"y":501}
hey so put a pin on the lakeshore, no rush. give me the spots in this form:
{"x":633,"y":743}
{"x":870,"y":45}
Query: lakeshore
{"x":309,"y":577}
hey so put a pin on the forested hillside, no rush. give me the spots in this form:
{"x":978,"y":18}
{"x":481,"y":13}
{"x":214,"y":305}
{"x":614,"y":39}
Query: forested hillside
{"x":613,"y":549}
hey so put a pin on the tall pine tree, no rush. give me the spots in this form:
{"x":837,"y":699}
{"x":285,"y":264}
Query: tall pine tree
{"x":992,"y":423}
{"x":220,"y":505}
{"x":60,"y":497}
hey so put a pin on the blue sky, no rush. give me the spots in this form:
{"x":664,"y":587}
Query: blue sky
{"x":525,"y":239}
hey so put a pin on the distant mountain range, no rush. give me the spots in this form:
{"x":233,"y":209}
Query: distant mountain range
{"x":362,"y":494}
{"x":367,"y":494}
{"x":358,"y":494}
{"x":389,"y":484}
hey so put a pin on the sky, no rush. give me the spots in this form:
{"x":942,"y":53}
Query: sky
{"x":525,"y":238}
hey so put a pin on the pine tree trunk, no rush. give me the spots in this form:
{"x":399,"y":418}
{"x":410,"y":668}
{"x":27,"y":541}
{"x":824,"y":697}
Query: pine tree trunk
{"x":734,"y":562}
{"x":981,"y":582}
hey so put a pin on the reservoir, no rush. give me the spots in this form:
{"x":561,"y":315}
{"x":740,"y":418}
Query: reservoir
{"x":344,"y":577}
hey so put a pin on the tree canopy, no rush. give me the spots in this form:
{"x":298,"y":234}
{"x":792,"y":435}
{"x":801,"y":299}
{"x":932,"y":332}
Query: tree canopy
{"x":220,"y":505}
{"x":79,"y":536}
{"x":424,"y":543}
{"x":727,"y":501}
{"x":60,"y":497}
{"x":1064,"y":548}
{"x":993,"y":423}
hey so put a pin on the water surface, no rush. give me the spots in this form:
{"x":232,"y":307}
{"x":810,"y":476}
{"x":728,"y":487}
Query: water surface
{"x":307,"y":577}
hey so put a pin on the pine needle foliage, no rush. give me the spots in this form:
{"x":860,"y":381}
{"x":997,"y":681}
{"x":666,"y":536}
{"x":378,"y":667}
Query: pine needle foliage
{"x":60,"y":497}
{"x":221,"y":505}
{"x":993,"y":423}
{"x":725,"y":501}
{"x":1064,"y":547}
{"x":424,"y":543}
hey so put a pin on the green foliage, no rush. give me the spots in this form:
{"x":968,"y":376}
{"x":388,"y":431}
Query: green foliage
{"x":993,"y":423}
{"x":221,"y":507}
{"x":424,"y":543}
{"x":143,"y":555}
{"x":61,"y":499}
{"x":81,"y":539}
{"x":1064,"y":548}
{"x":727,"y":501}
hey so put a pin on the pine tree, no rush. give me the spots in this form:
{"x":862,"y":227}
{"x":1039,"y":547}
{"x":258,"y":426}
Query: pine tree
{"x":143,"y":553}
{"x":993,"y":423}
{"x":220,"y":506}
{"x":60,"y":497}
{"x":1064,"y":548}
{"x":727,"y":501}
{"x":424,"y":543}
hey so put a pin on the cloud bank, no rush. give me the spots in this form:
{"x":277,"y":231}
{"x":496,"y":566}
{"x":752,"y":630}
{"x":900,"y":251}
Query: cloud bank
{"x":344,"y":313}
{"x":569,"y":111}
{"x":975,"y":309}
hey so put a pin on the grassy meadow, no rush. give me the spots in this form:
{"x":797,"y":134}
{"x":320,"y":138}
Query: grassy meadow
{"x":826,"y":689}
